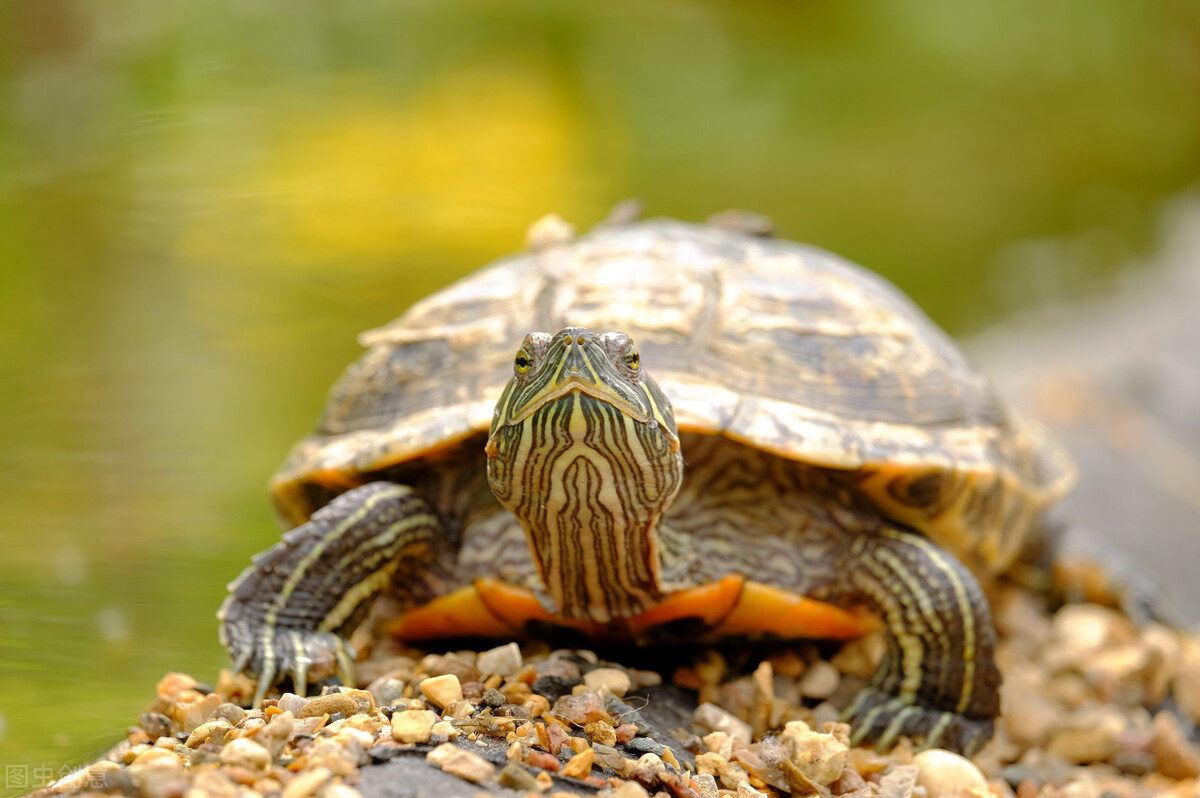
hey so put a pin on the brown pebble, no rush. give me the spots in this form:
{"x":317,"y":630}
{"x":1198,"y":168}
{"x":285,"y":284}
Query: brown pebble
{"x":556,"y":735}
{"x":442,"y":691}
{"x":600,"y":732}
{"x":580,"y":765}
{"x":328,"y":705}
{"x":542,"y":760}
{"x":625,"y":732}
{"x":1177,"y":758}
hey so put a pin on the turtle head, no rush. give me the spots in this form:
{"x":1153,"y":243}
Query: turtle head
{"x":584,"y":451}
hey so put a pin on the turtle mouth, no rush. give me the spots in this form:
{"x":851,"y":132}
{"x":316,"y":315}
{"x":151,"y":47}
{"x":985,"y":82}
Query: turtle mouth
{"x":581,"y":384}
{"x":578,"y":363}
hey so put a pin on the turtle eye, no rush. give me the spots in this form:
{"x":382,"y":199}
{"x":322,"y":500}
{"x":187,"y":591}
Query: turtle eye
{"x":523,"y":362}
{"x":630,"y":356}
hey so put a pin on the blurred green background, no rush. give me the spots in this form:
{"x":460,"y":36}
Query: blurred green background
{"x":201,"y":204}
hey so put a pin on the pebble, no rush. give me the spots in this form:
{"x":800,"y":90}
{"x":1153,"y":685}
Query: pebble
{"x":328,"y":705}
{"x":159,"y":776}
{"x":502,"y":661}
{"x":580,"y":765}
{"x":600,"y":732}
{"x":726,"y":772}
{"x":290,"y":702}
{"x":944,"y":773}
{"x":191,"y":714}
{"x":648,"y":768}
{"x":308,"y":783}
{"x":1186,"y":684}
{"x":495,"y":699}
{"x":230,"y":712}
{"x":581,"y":708}
{"x":899,"y":782}
{"x":611,"y":680}
{"x":645,"y":745}
{"x":245,"y":753}
{"x":442,"y":691}
{"x":413,"y":725}
{"x":1177,"y":758}
{"x":630,"y":789}
{"x":463,"y":764}
{"x":156,"y":725}
{"x":710,"y":717}
{"x":821,"y":680}
{"x":1091,"y":735}
{"x":706,"y":785}
{"x":516,"y":777}
{"x":387,"y":690}
{"x":820,"y":758}
{"x":276,"y":733}
{"x":554,"y":687}
{"x":744,"y":790}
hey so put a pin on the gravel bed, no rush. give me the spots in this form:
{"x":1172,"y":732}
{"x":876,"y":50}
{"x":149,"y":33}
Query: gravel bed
{"x":1094,"y":705}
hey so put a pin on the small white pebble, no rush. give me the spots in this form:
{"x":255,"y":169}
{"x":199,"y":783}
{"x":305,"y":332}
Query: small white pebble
{"x":614,"y":680}
{"x":944,"y":773}
{"x":502,"y":661}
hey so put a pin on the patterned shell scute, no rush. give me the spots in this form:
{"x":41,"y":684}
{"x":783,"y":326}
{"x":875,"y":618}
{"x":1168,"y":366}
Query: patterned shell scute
{"x":778,"y":345}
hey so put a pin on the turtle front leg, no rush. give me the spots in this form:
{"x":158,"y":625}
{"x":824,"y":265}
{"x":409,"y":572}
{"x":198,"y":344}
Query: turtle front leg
{"x":291,"y":612}
{"x":938,"y":681}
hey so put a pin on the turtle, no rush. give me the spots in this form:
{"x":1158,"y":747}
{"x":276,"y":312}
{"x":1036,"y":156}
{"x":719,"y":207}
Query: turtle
{"x":656,"y":432}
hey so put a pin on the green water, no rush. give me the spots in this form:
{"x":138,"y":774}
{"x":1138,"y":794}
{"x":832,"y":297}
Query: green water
{"x":201,"y":204}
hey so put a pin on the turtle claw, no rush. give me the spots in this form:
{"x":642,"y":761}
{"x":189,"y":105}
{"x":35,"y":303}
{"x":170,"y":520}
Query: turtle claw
{"x":271,"y":654}
{"x":881,"y":719}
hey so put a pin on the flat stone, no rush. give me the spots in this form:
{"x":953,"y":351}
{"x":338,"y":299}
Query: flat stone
{"x":308,"y":783}
{"x":328,"y":705}
{"x":946,"y":773}
{"x":645,"y":745}
{"x":442,"y":691}
{"x":464,"y":764}
{"x":503,"y":660}
{"x":516,"y":777}
{"x":413,"y":725}
{"x":710,"y":717}
{"x":612,"y":680}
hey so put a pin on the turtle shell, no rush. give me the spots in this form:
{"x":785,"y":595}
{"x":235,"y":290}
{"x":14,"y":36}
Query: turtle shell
{"x":777,"y":345}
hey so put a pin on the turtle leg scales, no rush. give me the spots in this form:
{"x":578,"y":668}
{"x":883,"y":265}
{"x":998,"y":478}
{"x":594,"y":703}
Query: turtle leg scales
{"x":291,"y":612}
{"x":938,"y":683}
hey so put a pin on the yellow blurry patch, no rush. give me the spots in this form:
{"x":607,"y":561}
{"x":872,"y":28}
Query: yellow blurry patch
{"x":460,"y":167}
